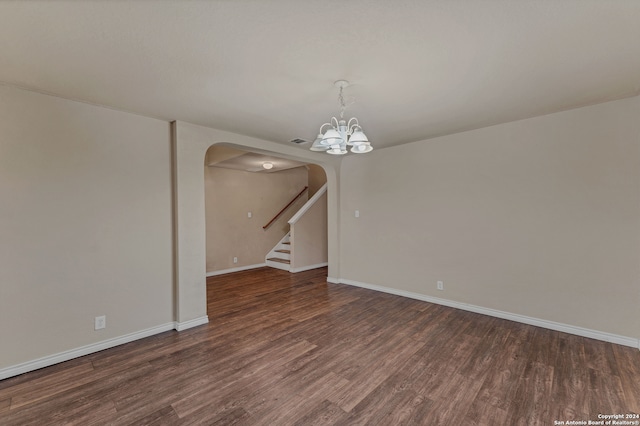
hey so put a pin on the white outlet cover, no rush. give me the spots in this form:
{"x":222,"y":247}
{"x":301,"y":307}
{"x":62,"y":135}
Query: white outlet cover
{"x":100,"y":322}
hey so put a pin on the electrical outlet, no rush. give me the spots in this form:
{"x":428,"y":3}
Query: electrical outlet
{"x":101,"y":322}
{"x":235,"y":260}
{"x":440,"y":285}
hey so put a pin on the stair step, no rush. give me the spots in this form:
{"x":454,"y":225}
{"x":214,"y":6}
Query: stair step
{"x":277,"y":259}
{"x":286,"y":242}
{"x":283,"y":251}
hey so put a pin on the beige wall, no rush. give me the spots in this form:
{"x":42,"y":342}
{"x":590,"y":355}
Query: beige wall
{"x":309,"y":236}
{"x":539,"y":217}
{"x":230,"y":195}
{"x":317,"y":178}
{"x":85,"y":224}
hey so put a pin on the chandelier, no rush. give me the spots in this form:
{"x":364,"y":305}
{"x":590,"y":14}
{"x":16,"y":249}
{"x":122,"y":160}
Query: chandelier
{"x":342,"y":133}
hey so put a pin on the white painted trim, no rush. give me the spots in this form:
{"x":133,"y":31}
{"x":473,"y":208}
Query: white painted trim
{"x":296,"y":217}
{"x":180,"y":326}
{"x":278,"y":265}
{"x":307,"y":268}
{"x":238,"y":269}
{"x":552,"y":325}
{"x":49,"y":360}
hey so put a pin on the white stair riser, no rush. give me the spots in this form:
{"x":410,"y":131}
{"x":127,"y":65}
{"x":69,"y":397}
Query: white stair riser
{"x":274,"y":254}
{"x":277,"y":265}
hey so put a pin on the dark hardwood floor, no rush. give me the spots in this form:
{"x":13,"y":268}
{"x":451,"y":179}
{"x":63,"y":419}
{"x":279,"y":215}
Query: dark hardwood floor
{"x":290,"y":349}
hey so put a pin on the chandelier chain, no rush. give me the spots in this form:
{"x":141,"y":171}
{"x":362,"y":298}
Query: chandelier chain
{"x":343,"y":107}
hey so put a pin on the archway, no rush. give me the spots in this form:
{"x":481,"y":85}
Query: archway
{"x":248,"y":207}
{"x":190,"y":143}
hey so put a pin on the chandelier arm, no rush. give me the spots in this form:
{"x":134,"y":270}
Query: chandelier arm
{"x":337,"y":124}
{"x":322,"y":127}
{"x":351,"y":126}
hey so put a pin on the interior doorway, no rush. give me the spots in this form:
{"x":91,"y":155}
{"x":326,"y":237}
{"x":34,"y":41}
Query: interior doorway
{"x":242,"y":195}
{"x":189,"y":145}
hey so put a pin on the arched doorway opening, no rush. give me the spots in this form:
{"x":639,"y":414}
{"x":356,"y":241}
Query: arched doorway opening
{"x":248,"y":206}
{"x":189,"y":145}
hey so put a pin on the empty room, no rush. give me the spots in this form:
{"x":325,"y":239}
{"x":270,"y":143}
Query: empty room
{"x":320,"y":212}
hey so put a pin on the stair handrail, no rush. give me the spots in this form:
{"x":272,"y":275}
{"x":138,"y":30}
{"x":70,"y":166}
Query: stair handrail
{"x":308,"y":204}
{"x":285,"y":208}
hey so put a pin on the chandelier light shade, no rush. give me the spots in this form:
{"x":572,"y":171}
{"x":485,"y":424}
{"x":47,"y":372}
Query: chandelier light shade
{"x":342,"y":133}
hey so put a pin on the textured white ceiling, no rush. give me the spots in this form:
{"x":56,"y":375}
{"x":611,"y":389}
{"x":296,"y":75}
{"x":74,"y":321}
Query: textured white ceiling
{"x":266,"y":68}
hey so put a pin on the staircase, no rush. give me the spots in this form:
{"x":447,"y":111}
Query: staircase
{"x":280,"y":256}
{"x":307,"y":235}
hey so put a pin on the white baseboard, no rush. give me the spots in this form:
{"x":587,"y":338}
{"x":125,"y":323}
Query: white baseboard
{"x":238,"y":269}
{"x":179,"y":326}
{"x":566,"y":328}
{"x":308,"y":268}
{"x":47,"y":361}
{"x":81,"y":351}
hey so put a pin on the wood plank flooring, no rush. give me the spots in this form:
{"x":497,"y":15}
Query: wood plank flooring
{"x":291,"y":349}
